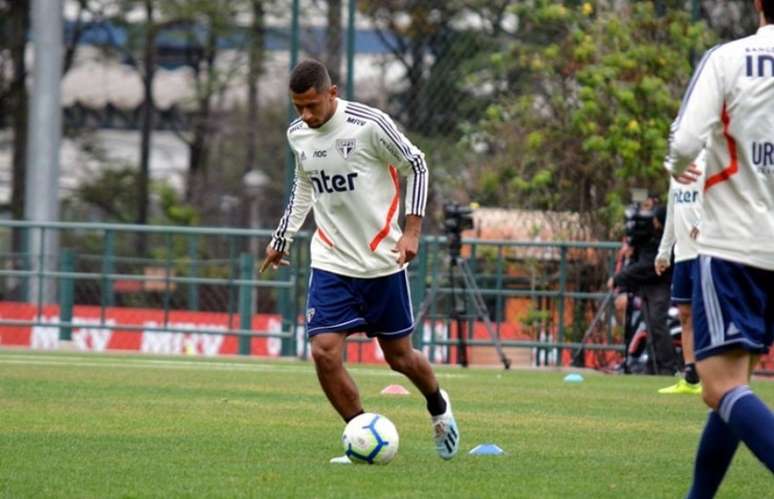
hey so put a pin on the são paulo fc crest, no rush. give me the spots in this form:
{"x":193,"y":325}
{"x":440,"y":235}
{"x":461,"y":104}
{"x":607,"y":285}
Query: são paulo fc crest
{"x":309,"y":314}
{"x":346,"y":147}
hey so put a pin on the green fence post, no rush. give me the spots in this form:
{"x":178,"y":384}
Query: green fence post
{"x":434,"y":304}
{"x":26,"y":264}
{"x":107,"y":268}
{"x":66,"y":292}
{"x":499,"y":306}
{"x":418,"y":284}
{"x":167,"y":298}
{"x":289,"y":344}
{"x":246,"y":275}
{"x":560,"y":306}
{"x":193,"y":287}
{"x":611,"y":303}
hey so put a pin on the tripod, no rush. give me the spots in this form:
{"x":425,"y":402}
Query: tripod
{"x":457,"y":264}
{"x":600,"y":313}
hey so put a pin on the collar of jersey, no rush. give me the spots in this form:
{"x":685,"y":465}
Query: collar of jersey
{"x":336,"y":120}
{"x":768,"y":29}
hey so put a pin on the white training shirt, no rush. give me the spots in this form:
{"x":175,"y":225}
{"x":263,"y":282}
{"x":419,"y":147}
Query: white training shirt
{"x":349,"y":171}
{"x":729,"y":108}
{"x":684,"y":212}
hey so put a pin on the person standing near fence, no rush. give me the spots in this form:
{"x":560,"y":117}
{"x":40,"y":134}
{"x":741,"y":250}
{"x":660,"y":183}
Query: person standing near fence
{"x":680,"y":232}
{"x":653,"y":289}
{"x":729,"y":109}
{"x":349,"y":160}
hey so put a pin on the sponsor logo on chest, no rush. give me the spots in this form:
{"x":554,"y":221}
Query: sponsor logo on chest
{"x":323,"y":182}
{"x":683,"y":197}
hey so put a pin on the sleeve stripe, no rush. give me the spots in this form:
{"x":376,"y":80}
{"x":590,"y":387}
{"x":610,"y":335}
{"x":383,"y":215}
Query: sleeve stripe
{"x":388,"y":128}
{"x":417,"y":163}
{"x":692,"y":84}
{"x":283,"y":225}
{"x":419,"y":192}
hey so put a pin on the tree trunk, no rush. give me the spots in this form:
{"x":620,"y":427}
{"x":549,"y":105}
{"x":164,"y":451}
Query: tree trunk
{"x":414,"y":101}
{"x":149,"y":68}
{"x":19,"y":24}
{"x":333,"y":39}
{"x":251,"y":143}
{"x":200,"y":146}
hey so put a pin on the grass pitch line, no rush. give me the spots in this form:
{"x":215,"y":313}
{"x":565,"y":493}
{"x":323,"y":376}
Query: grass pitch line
{"x":81,"y":361}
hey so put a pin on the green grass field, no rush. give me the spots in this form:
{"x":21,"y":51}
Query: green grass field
{"x":116,"y":426}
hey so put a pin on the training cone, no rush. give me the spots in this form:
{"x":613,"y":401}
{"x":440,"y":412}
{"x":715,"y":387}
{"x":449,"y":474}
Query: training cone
{"x":395,"y":390}
{"x":486,"y":450}
{"x":573,"y":378}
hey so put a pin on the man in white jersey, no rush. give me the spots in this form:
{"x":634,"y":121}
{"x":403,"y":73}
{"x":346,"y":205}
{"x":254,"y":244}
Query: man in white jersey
{"x":729,"y":110}
{"x":680,"y":231}
{"x":349,"y":160}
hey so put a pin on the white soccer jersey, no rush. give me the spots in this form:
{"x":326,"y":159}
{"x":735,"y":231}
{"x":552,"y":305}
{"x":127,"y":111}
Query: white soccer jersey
{"x":349,"y":171}
{"x":684,"y":212}
{"x":729,"y":108}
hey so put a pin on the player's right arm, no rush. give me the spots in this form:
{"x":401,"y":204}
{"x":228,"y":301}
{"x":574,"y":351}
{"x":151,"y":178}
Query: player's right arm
{"x":667,"y":238}
{"x":299,"y":203}
{"x":702,"y":109}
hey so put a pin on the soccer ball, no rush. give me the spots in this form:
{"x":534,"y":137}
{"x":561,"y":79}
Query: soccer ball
{"x":370,"y":438}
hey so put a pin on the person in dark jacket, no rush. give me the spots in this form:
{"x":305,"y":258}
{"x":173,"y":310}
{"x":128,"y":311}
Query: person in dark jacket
{"x":654,"y":290}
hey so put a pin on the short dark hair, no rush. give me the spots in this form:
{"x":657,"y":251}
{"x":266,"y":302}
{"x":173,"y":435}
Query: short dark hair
{"x":768,"y":10}
{"x":309,"y":74}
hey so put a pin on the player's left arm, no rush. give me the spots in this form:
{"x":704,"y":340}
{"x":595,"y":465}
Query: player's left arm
{"x":702,"y":109}
{"x":407,"y":247}
{"x":397,"y":151}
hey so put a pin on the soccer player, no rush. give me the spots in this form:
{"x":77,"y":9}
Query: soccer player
{"x":680,"y":232}
{"x":729,"y":110}
{"x":349,"y":160}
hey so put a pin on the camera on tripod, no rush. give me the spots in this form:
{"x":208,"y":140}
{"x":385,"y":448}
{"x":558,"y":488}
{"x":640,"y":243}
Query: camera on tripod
{"x":457,"y":218}
{"x":638,"y":223}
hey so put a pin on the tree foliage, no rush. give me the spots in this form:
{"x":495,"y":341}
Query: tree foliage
{"x":588,"y":97}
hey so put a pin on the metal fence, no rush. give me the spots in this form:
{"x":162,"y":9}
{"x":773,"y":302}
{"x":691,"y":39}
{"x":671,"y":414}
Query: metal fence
{"x":537,"y":295}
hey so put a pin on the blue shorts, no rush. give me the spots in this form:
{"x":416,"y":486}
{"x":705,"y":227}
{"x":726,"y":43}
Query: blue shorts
{"x":733,"y":307}
{"x":682,"y":281}
{"x":378,"y":307}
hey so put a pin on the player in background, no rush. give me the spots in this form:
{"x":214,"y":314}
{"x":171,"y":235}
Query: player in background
{"x":680,"y":232}
{"x":729,"y":110}
{"x":349,"y":159}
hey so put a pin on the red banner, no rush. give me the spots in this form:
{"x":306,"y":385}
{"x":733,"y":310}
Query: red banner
{"x":193,"y":333}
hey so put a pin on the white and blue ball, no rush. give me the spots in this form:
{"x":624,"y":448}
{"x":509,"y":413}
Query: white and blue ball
{"x":370,"y":439}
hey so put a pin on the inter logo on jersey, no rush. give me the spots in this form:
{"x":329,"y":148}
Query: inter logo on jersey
{"x":322,"y":182}
{"x":682,"y":196}
{"x":760,"y":66}
{"x":346,"y":147}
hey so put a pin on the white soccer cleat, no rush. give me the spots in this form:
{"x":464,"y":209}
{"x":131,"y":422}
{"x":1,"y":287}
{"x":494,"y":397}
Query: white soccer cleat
{"x":445,"y":431}
{"x":340,"y":460}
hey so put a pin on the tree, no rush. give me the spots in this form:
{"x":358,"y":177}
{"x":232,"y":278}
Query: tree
{"x":203,"y":24}
{"x":333,"y":40}
{"x":255,"y":60}
{"x":437,"y":52}
{"x":590,"y":98}
{"x":16,"y":23}
{"x":148,"y":109}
